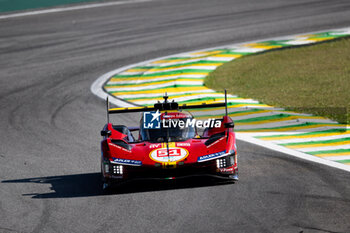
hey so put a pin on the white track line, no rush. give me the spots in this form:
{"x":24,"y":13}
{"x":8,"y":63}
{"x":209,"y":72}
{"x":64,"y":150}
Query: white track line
{"x":323,"y":148}
{"x":71,"y":8}
{"x":335,"y":158}
{"x":310,"y":139}
{"x":292,"y":152}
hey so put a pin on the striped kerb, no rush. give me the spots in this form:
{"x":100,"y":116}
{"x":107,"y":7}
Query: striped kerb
{"x":182,"y":77}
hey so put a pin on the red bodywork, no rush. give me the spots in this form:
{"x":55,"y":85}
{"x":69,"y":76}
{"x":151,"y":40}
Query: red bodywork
{"x":212,"y":153}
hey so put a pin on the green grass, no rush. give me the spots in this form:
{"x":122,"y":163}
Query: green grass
{"x":313,"y":79}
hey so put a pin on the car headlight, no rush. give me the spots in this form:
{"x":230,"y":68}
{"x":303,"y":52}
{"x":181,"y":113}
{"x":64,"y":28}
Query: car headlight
{"x":113,"y":169}
{"x":226,"y":161}
{"x":221,"y":163}
{"x":118,"y":169}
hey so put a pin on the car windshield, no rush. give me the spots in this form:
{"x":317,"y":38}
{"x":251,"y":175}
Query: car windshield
{"x":171,"y":132}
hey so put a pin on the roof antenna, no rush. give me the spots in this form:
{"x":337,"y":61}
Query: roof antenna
{"x":226,"y":102}
{"x":166,"y":98}
{"x":107,"y":106}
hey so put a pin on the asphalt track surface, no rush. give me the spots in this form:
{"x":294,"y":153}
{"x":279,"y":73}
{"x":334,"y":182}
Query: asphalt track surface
{"x":50,"y":123}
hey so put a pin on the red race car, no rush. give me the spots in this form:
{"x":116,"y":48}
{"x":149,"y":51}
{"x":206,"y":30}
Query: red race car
{"x":168,"y":145}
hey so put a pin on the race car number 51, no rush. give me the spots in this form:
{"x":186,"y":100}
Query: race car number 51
{"x":174,"y":155}
{"x":172,"y":152}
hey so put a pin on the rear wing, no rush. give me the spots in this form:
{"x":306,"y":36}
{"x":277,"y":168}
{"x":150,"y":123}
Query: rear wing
{"x":164,"y":106}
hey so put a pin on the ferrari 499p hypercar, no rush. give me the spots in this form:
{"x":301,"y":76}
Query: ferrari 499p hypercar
{"x":168,"y":145}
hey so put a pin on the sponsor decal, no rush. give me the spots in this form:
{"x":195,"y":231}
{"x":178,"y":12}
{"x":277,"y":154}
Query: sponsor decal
{"x":211,"y":156}
{"x":127,"y":161}
{"x":163,"y":155}
{"x":152,"y":146}
{"x":217,"y":141}
{"x":158,"y":145}
{"x":183,"y":144}
{"x":119,"y":147}
{"x":229,"y":170}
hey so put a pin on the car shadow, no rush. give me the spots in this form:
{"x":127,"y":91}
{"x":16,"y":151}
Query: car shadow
{"x":84,"y":185}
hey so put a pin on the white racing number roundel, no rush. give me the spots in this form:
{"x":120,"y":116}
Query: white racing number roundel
{"x":175,"y":154}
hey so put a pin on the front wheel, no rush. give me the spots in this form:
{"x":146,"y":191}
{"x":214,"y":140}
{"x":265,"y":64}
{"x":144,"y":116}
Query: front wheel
{"x":234,"y":176}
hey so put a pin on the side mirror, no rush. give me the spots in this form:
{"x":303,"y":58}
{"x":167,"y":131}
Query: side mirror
{"x":229,"y":125}
{"x":105,"y":133}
